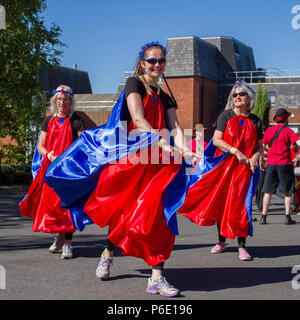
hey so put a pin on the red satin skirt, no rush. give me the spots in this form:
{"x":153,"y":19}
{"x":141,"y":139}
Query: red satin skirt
{"x":128,"y":200}
{"x":44,"y":205}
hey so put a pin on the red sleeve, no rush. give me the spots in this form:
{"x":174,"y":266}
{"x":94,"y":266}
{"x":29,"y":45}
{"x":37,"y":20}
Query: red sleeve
{"x":192,"y":145}
{"x":265,"y":139}
{"x":292,"y":136}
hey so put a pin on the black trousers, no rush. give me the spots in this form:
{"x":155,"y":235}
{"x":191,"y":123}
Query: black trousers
{"x":241,"y":240}
{"x":68,"y":236}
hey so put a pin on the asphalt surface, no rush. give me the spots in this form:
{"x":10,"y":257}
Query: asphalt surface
{"x":30,"y":272}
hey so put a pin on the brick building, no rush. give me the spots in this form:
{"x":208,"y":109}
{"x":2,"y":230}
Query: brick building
{"x":201,"y":71}
{"x":197,"y":71}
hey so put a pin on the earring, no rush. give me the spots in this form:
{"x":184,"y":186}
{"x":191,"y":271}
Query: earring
{"x":144,"y":72}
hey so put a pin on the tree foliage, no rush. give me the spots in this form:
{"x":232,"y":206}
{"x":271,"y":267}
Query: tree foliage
{"x":262,"y":106}
{"x":25,"y":44}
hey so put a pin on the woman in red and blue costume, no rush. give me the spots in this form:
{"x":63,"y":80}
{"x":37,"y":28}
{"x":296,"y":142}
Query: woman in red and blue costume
{"x":222,"y":185}
{"x":41,"y":202}
{"x":126,"y":186}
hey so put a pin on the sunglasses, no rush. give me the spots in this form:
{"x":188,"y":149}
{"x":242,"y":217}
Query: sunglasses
{"x":154,"y":61}
{"x":241,"y":94}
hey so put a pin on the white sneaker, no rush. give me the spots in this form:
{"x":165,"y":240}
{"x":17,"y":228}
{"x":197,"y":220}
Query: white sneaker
{"x":162,"y":287}
{"x":67,"y":251}
{"x":56,"y":245}
{"x":103,"y":269}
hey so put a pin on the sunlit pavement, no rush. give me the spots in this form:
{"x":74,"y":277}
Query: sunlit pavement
{"x":32,"y":273}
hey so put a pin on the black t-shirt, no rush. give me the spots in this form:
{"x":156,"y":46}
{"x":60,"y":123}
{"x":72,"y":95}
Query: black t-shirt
{"x":136,"y":85}
{"x":223,"y":118}
{"x":77,"y":124}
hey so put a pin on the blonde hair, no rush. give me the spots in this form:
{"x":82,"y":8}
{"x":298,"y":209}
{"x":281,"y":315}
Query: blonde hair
{"x":53,"y":107}
{"x":251,"y":97}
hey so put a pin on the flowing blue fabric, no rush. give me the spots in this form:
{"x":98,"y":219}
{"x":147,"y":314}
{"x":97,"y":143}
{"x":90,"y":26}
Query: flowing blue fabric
{"x":175,"y":194}
{"x":75,"y":173}
{"x":250,"y":194}
{"x":36,"y":162}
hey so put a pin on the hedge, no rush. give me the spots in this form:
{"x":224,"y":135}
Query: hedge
{"x":15,"y":174}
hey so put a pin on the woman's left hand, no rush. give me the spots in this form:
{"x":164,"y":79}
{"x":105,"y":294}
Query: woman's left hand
{"x":253,"y":163}
{"x":191,"y":156}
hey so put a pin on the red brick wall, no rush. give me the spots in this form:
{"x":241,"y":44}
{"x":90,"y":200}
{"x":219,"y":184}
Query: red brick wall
{"x":187,"y":92}
{"x":295,"y":112}
{"x":183,"y":91}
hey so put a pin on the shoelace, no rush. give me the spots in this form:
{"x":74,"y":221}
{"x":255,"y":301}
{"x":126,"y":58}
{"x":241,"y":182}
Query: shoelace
{"x":164,"y":282}
{"x":107,"y":262}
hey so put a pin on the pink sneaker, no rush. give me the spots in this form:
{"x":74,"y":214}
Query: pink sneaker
{"x":218,"y":248}
{"x":244,"y":255}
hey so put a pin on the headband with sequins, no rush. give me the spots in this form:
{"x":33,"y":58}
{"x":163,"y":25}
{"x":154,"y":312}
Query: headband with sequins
{"x":70,"y":94}
{"x":149,"y":45}
{"x":242,"y":83}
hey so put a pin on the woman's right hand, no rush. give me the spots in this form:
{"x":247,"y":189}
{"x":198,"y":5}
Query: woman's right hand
{"x":169,"y":149}
{"x":241,"y":157}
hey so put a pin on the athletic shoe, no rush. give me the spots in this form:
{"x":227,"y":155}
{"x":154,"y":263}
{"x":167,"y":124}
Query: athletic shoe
{"x":244,"y":255}
{"x":103,"y":269}
{"x":218,"y":248}
{"x":162,"y":287}
{"x":56,"y":245}
{"x":67,"y":252}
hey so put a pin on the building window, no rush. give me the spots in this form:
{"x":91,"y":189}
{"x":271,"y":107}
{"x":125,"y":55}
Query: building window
{"x":272,"y":99}
{"x":236,"y":49}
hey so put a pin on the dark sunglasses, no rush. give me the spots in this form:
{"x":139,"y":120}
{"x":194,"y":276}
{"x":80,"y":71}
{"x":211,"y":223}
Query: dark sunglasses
{"x":154,"y":61}
{"x":241,"y":94}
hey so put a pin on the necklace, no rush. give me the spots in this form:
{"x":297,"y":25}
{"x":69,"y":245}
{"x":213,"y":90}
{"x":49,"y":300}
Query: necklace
{"x":240,"y":114}
{"x":147,"y":85}
{"x":157,"y":87}
{"x":57,"y":115}
{"x":199,"y":147}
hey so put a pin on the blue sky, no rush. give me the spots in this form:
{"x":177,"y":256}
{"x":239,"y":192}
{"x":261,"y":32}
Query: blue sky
{"x":104,"y":37}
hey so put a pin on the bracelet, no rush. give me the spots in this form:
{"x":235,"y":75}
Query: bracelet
{"x":49,"y":155}
{"x":257,"y":155}
{"x":162,"y":142}
{"x":186,"y":149}
{"x":233,"y":150}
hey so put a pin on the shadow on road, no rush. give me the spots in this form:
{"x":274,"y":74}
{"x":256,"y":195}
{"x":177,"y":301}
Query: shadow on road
{"x":213,"y":279}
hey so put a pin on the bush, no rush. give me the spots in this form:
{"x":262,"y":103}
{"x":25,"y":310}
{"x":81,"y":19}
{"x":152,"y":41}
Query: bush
{"x":15,"y":174}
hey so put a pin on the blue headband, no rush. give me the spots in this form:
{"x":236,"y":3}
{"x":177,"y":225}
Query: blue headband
{"x":242,"y":83}
{"x":149,"y":45}
{"x":70,"y":94}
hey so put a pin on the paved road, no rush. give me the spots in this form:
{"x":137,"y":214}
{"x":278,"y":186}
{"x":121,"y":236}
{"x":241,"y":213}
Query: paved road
{"x":32,"y":273}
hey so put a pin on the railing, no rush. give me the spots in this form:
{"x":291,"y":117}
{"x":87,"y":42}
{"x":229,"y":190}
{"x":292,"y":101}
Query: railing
{"x":263,"y":75}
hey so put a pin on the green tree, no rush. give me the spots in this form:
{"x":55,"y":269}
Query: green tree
{"x":262,"y":105}
{"x":266,"y":109}
{"x":258,"y":110}
{"x":25,"y":44}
